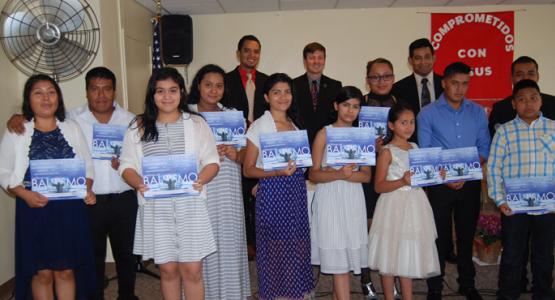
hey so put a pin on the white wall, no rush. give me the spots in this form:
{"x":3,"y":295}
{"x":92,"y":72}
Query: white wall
{"x":12,"y":91}
{"x":351,"y":37}
{"x":11,"y":87}
{"x":354,"y":36}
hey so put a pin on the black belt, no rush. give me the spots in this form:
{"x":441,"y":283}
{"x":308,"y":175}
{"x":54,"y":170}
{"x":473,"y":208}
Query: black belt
{"x":103,"y":198}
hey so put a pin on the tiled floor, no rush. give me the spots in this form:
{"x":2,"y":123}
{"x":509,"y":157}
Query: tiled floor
{"x":486,"y":282}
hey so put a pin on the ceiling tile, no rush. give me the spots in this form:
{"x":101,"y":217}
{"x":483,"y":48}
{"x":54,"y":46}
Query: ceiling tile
{"x":472,"y":2}
{"x":364,"y":3}
{"x":197,"y":7}
{"x":415,"y":3}
{"x":306,"y":4}
{"x":193,"y":7}
{"x":528,"y":2}
{"x":237,"y":6}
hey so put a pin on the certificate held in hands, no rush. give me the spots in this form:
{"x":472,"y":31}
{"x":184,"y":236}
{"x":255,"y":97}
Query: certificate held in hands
{"x":107,"y":141}
{"x":375,"y":118}
{"x":59,"y":179}
{"x":228,"y":127}
{"x":530,"y":194}
{"x":461,"y":164}
{"x":350,"y":145}
{"x":169,"y":176}
{"x":424,"y":165}
{"x":278,"y":148}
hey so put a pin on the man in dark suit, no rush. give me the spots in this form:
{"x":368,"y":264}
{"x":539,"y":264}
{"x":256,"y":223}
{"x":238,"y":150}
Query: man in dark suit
{"x":523,"y":67}
{"x":315,"y":92}
{"x":245,"y":83}
{"x":423,"y":86}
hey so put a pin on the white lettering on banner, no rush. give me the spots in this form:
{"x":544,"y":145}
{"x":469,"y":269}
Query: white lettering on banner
{"x":492,"y":20}
{"x":472,"y":53}
{"x":481,"y":71}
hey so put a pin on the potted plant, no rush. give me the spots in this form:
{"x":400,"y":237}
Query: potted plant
{"x":488,"y":238}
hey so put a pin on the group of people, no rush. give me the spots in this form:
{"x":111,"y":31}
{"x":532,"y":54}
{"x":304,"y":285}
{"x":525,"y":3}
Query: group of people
{"x":200,"y":242}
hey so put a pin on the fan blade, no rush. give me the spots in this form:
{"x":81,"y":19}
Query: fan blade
{"x":20,"y":24}
{"x":19,"y":33}
{"x":68,"y":15}
{"x":72,"y":56}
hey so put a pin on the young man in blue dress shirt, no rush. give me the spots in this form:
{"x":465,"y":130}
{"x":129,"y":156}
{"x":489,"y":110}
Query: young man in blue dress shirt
{"x":453,"y":121}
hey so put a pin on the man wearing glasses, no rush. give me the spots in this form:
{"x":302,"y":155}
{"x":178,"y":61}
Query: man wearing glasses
{"x":423,"y":86}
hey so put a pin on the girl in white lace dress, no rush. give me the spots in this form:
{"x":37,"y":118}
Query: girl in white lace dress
{"x":339,"y":239}
{"x":401,"y":241}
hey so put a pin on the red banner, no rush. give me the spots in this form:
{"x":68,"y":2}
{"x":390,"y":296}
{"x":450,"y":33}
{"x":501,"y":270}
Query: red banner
{"x":485,"y":42}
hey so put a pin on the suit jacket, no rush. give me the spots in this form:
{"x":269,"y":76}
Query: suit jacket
{"x":406,"y":91}
{"x":327,"y":91}
{"x":503,"y":111}
{"x":237,"y":97}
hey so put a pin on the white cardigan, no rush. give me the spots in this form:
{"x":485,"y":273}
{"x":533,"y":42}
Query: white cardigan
{"x":199,"y":141}
{"x":264,"y":124}
{"x":14,"y":152}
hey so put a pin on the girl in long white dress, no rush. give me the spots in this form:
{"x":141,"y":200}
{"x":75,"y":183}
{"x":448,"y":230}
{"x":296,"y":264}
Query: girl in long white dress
{"x":339,"y":239}
{"x":402,"y":238}
{"x":226,"y":272}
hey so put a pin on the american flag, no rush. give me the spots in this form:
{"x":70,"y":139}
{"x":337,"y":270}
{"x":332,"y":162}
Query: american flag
{"x":156,"y":46}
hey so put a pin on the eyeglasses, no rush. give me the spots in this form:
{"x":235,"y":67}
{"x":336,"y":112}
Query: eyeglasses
{"x":376,"y":78}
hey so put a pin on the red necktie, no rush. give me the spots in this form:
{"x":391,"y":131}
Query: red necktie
{"x":314,"y":94}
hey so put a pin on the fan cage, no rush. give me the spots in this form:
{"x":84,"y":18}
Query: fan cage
{"x":30,"y":40}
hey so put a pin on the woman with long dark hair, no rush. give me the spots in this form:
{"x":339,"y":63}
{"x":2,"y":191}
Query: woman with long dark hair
{"x":282,"y":230}
{"x":226,"y":272}
{"x":52,"y":238}
{"x":175,"y":231}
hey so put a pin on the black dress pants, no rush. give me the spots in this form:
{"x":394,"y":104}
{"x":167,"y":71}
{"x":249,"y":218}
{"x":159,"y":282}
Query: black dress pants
{"x":463,"y":206}
{"x":515,"y":239}
{"x":114,"y":216}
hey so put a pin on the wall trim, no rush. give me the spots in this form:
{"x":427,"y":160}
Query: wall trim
{"x":7,"y":289}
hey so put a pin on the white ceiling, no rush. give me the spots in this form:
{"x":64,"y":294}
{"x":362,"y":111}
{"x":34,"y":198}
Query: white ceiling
{"x":198,"y":7}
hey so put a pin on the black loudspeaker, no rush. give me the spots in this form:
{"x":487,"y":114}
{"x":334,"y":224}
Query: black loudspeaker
{"x":177,"y":39}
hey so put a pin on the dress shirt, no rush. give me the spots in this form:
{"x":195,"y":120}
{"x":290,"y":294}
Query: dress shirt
{"x":310,"y":80}
{"x":243,"y":74}
{"x":431,"y":87}
{"x":107,"y":180}
{"x":518,"y":150}
{"x":440,"y":125}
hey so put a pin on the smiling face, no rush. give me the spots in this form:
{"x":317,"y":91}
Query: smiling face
{"x":167,"y":96}
{"x":347,"y":111}
{"x":380,"y":79}
{"x":527,"y":103}
{"x":249,"y":55}
{"x":455,"y":87}
{"x":101,"y":94}
{"x":43,"y":99}
{"x":315,"y":62}
{"x":211,"y":88}
{"x":404,"y":126}
{"x":422,"y":61}
{"x":279,"y":97}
